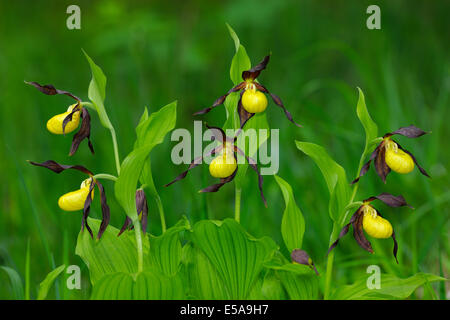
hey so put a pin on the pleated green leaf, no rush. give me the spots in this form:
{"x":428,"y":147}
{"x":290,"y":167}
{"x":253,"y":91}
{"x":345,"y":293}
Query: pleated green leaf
{"x":292,"y":223}
{"x":147,"y":286}
{"x":16,"y":282}
{"x":299,"y":281}
{"x":391,"y":287}
{"x":370,"y":127}
{"x":111,"y":254}
{"x":47,"y":283}
{"x":334,"y":175}
{"x":237,"y":257}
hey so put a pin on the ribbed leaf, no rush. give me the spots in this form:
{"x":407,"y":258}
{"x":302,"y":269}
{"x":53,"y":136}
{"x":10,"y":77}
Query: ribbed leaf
{"x":237,"y":257}
{"x":110,"y":254}
{"x":370,"y":127}
{"x":299,"y":281}
{"x":391,"y":287}
{"x":292,"y":223}
{"x":334,"y":175}
{"x":47,"y":283}
{"x":150,"y":132}
{"x":147,"y":286}
{"x":16,"y":282}
{"x":166,"y":250}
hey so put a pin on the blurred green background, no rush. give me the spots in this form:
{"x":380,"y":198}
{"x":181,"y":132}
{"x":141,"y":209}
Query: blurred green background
{"x":156,"y":52}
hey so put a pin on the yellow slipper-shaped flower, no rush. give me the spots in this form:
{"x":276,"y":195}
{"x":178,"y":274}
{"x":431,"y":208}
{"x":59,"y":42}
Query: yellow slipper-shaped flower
{"x":74,"y":201}
{"x":55,"y":124}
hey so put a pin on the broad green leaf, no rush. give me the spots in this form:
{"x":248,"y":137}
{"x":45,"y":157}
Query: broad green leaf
{"x":47,"y":283}
{"x":334,"y":175}
{"x":268,"y":287}
{"x":292,"y":223}
{"x":147,"y":286}
{"x":391,"y":287}
{"x":150,"y":132}
{"x":299,"y":281}
{"x":110,"y":254}
{"x":16,"y":282}
{"x":241,"y":61}
{"x":166,"y":250}
{"x":237,"y":257}
{"x":369,"y":125}
{"x":203,"y":280}
{"x":96,"y":91}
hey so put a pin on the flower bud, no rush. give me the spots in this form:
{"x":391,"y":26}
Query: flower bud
{"x":74,"y":201}
{"x":55,"y":124}
{"x":374,"y":225}
{"x":398,"y":160}
{"x":254,"y":101}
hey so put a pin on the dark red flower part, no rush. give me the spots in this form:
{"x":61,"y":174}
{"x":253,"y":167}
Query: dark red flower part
{"x":302,"y":257}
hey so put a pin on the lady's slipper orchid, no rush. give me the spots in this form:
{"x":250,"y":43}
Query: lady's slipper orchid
{"x":224,"y":166}
{"x":389,"y":155}
{"x":142,"y":210}
{"x":82,"y":198}
{"x":367,"y":218}
{"x":68,"y":121}
{"x":252,"y":99}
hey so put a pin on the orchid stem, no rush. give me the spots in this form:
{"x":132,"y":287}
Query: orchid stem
{"x":335,"y":233}
{"x":237,"y":204}
{"x":105,"y":176}
{"x":138,"y":236}
{"x":161,"y":213}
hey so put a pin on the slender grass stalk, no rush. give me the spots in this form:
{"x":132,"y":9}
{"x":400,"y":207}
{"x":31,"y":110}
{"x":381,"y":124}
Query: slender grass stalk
{"x":237,"y":204}
{"x":161,"y":213}
{"x":27,"y":271}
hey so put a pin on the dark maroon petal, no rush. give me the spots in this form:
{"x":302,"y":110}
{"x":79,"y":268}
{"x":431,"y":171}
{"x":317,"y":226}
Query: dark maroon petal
{"x":193,"y":164}
{"x":345,"y":229}
{"x":125,"y":226}
{"x":221,"y":99}
{"x":359,"y":236}
{"x":48,"y":89}
{"x":381,"y":167}
{"x":302,"y":257}
{"x":394,"y":251}
{"x":254,"y":72}
{"x":58,"y":168}
{"x":410,"y":132}
{"x":422,"y":170}
{"x":68,"y":118}
{"x":217,"y":186}
{"x":390,"y":200}
{"x":366,"y":166}
{"x":86,"y":209}
{"x":254,"y":166}
{"x":83,"y":133}
{"x":106,"y":214}
{"x":244,"y":115}
{"x":142,"y":208}
{"x":144,"y":220}
{"x":279,"y":103}
{"x":218,"y":133}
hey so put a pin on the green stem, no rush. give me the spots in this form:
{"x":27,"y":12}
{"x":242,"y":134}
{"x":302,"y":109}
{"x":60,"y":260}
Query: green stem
{"x":335,"y":233}
{"x":105,"y":176}
{"x":237,"y":204}
{"x":161,"y":213}
{"x":140,"y":250}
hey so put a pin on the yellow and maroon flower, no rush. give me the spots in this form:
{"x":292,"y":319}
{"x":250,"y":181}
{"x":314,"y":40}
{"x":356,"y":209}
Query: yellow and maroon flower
{"x":368,"y":218}
{"x":69,"y":120}
{"x":389,"y":155}
{"x":252,"y":99}
{"x":224,"y":165}
{"x":81,"y":199}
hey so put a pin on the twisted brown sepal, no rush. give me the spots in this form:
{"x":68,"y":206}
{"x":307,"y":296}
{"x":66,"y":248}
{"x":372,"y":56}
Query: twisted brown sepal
{"x":422,"y":170}
{"x":390,"y":200}
{"x":83,"y":133}
{"x":58,"y":168}
{"x":278,"y":102}
{"x":381,"y":166}
{"x":86,"y":209}
{"x":254,"y":166}
{"x":345,"y":229}
{"x":302,"y":257}
{"x":141,"y":208}
{"x":244,"y":115}
{"x":50,"y":90}
{"x":215,"y":187}
{"x":221,"y":99}
{"x":358,"y":234}
{"x":68,"y":118}
{"x":106,"y":214}
{"x":410,"y":132}
{"x":366,"y":166}
{"x":193,"y":164}
{"x":254,"y":72}
{"x":394,"y":251}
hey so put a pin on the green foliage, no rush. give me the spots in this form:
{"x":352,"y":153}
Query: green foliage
{"x":370,"y":127}
{"x":47,"y":283}
{"x":292,"y":223}
{"x":334,"y":175}
{"x":16,"y":282}
{"x":391,"y":287}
